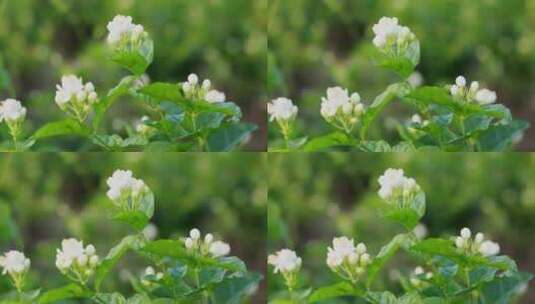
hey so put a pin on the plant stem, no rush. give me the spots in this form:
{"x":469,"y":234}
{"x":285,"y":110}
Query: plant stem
{"x":204,"y":299}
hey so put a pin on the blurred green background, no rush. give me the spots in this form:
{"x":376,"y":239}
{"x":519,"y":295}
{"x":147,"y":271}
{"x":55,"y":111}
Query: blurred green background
{"x":314,"y":45}
{"x":223,"y":40}
{"x":55,"y":196}
{"x":316,"y":197}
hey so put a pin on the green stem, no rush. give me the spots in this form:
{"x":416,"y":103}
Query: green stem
{"x":204,"y":299}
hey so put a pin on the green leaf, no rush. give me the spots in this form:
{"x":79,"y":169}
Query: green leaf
{"x":386,"y":253}
{"x":105,"y":103}
{"x":409,"y":215}
{"x":331,"y":140}
{"x":115,"y":254}
{"x":233,"y":290}
{"x":165,"y":92}
{"x":403,"y":64}
{"x":381,"y":297}
{"x":502,"y":137}
{"x":227,"y":108}
{"x":435,"y":246}
{"x":71,"y":291}
{"x":337,"y":290}
{"x":475,"y":123}
{"x":109,"y":298}
{"x":61,"y":128}
{"x":140,"y":217}
{"x":375,"y":146}
{"x":503,"y":289}
{"x":378,"y":105}
{"x":8,"y":229}
{"x":136,"y":61}
{"x":229,"y":137}
{"x":168,"y":248}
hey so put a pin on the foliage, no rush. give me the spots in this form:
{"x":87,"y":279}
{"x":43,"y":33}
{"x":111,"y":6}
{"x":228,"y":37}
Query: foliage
{"x":315,"y":197}
{"x":314,"y":45}
{"x":173,"y":216}
{"x":56,"y":39}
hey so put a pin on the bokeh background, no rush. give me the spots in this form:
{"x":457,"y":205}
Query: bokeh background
{"x":315,"y":197}
{"x":223,"y":40}
{"x":55,"y":196}
{"x":314,"y":45}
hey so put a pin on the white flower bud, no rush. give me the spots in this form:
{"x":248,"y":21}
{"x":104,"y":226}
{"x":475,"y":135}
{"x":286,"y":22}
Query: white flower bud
{"x":460,"y":81}
{"x":361,"y":248}
{"x":460,"y":242}
{"x":193,"y":79}
{"x":149,"y":271}
{"x":466,"y":233}
{"x":89,"y":87}
{"x":90,"y":250}
{"x":206,"y":84}
{"x":159,"y":276}
{"x":208,"y":238}
{"x":454,"y":90}
{"x":93,"y":261}
{"x":479,"y":237}
{"x":355,"y":97}
{"x":189,"y":243}
{"x":474,"y":86}
{"x":195,"y":234}
{"x":365,"y":259}
{"x":186,"y":87}
{"x":92,"y":97}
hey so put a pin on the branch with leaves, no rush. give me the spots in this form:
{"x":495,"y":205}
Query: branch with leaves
{"x":460,"y":269}
{"x":193,"y":269}
{"x":458,"y":117}
{"x":187,"y":116}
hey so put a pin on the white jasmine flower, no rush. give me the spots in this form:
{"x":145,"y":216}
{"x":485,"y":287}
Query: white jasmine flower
{"x":282,"y":110}
{"x":195,"y":234}
{"x":477,"y":245}
{"x":454,"y":90}
{"x":285,"y":261}
{"x":74,"y":97}
{"x":14,"y":263}
{"x":12,"y":111}
{"x":342,"y":110}
{"x":420,"y":231}
{"x":460,"y":81}
{"x":388,"y":32}
{"x":343,"y":248}
{"x":122,"y":185}
{"x":394,"y":183}
{"x":189,"y":243}
{"x":337,"y":99}
{"x":486,"y":96}
{"x":489,"y":248}
{"x":474,"y":86}
{"x":206,"y":84}
{"x":415,"y":79}
{"x":151,"y":231}
{"x":193,"y":79}
{"x":214,"y":96}
{"x":122,"y":29}
{"x":149,"y":271}
{"x":466,"y":233}
{"x":219,"y":249}
{"x":208,"y":238}
{"x":417,"y":119}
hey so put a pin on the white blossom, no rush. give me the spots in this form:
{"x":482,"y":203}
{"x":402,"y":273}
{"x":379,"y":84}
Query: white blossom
{"x":72,"y":252}
{"x":75,"y":97}
{"x":486,"y":96}
{"x":121,"y":28}
{"x":388,"y":31}
{"x":489,"y":248}
{"x":393,"y":181}
{"x":477,"y":245}
{"x":151,"y":231}
{"x":14,"y":263}
{"x":473,"y":93}
{"x":285,"y":261}
{"x":214,"y":96}
{"x":219,"y":248}
{"x":337,"y":99}
{"x":340,"y":109}
{"x":416,"y":79}
{"x":282,"y":109}
{"x":342,"y":249}
{"x":122,"y":183}
{"x":12,"y":111}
